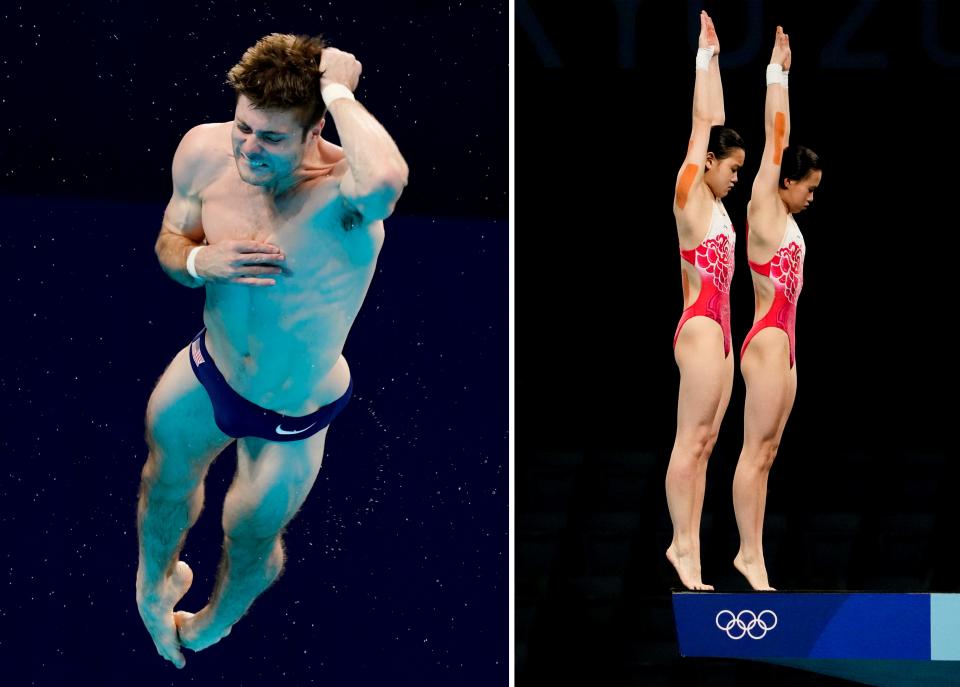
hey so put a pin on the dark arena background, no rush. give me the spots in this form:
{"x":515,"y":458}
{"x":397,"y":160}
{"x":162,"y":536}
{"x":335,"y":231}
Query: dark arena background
{"x":863,"y":493}
{"x":397,"y":568}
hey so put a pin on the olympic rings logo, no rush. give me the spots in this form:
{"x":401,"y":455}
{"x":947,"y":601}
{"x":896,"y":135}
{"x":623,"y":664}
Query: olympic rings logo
{"x":745,"y":623}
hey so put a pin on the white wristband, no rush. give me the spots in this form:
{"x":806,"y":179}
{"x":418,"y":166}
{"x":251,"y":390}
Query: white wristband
{"x":774,"y":74}
{"x":335,"y":91}
{"x":703,"y":57}
{"x":191,"y":263}
{"x":784,"y":78}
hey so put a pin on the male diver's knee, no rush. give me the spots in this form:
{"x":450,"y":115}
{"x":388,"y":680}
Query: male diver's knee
{"x":248,"y":547}
{"x":165,"y":475}
{"x":253,"y":519}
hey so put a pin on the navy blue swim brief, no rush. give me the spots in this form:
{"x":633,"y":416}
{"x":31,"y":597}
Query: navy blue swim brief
{"x":237,"y":417}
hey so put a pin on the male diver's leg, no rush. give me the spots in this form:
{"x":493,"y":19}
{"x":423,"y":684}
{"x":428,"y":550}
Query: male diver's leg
{"x":272,"y":482}
{"x":183,"y":441}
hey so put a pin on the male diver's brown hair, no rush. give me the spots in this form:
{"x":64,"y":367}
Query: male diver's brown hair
{"x":282,"y":72}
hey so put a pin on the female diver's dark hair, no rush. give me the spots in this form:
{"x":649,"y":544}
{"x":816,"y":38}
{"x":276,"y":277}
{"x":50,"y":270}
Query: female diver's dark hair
{"x":798,"y":161}
{"x":722,"y":141}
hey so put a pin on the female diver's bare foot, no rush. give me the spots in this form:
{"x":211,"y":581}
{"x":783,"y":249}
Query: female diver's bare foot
{"x":196,"y":631}
{"x":687,"y":569}
{"x":754,"y":571}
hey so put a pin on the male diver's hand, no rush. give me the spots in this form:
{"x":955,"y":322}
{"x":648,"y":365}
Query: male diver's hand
{"x":240,"y":262}
{"x":340,"y":67}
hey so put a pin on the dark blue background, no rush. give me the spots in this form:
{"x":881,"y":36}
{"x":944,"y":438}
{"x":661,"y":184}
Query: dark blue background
{"x":397,"y":564}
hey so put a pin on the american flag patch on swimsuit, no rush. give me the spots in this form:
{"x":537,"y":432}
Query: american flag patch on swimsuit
{"x":195,"y":352}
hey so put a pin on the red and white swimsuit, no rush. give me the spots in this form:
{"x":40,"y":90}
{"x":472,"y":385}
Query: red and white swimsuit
{"x":785,"y":270}
{"x":713,"y":259}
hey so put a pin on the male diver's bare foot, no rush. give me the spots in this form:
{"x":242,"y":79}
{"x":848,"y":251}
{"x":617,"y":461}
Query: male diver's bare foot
{"x":156,"y":602}
{"x":687,"y":569}
{"x":754,"y":571}
{"x":197,"y":631}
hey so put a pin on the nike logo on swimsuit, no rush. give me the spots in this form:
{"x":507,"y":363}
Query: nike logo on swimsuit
{"x":280,"y":430}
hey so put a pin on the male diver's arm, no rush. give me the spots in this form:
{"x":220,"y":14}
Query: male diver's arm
{"x":172,"y":250}
{"x":377,"y":172}
{"x":182,"y":230}
{"x":238,"y":262}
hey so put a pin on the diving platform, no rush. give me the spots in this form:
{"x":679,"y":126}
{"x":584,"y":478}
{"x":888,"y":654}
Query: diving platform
{"x":871,"y":637}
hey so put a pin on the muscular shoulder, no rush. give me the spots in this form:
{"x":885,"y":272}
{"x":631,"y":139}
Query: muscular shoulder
{"x":201,"y":157}
{"x":324,"y":189}
{"x":333,"y":155}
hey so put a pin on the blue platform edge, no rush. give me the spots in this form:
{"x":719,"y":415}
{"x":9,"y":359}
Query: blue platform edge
{"x":819,"y":625}
{"x":945,"y":627}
